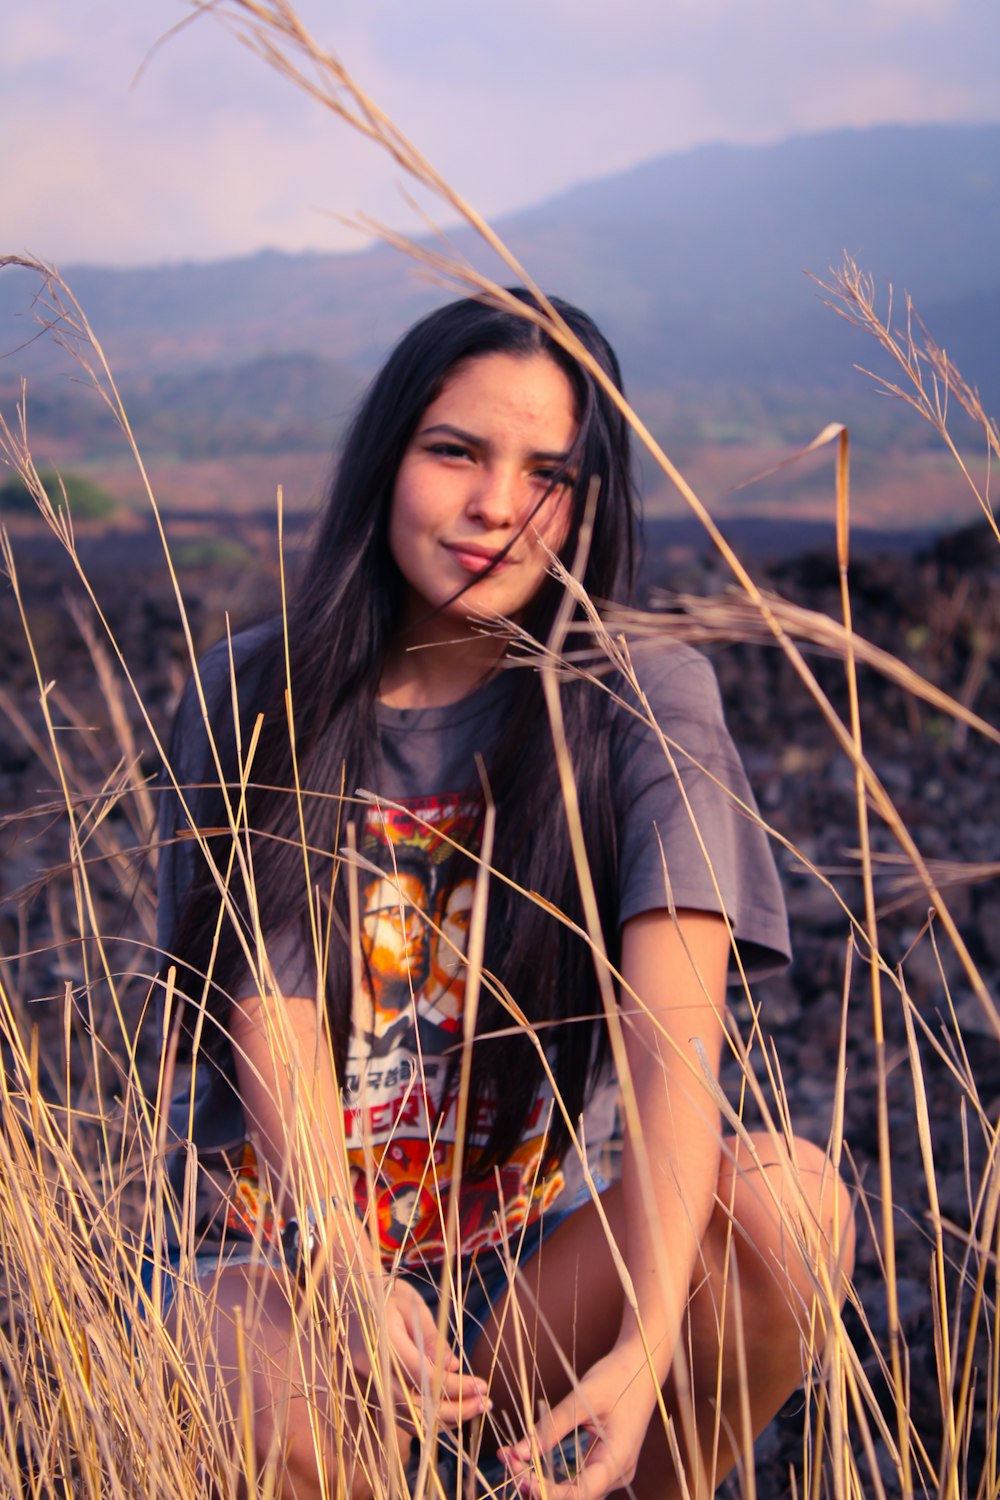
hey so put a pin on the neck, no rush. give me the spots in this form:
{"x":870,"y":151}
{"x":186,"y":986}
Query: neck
{"x":429,"y":669}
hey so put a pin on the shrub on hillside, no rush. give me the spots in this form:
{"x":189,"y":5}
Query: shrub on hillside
{"x":87,"y":501}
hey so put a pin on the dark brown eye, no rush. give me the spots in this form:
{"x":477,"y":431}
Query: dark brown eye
{"x":449,"y":450}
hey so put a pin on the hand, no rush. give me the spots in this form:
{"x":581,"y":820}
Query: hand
{"x":612,"y":1404}
{"x":405,"y":1321}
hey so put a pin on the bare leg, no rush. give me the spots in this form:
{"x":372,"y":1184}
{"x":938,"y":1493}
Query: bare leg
{"x":275,"y":1395}
{"x":573,"y":1300}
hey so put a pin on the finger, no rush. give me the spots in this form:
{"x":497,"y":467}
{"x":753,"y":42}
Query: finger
{"x":463,"y":1395}
{"x":409,"y":1362}
{"x":599,"y":1479}
{"x":422,"y":1327}
{"x":411,"y":1354}
{"x":454,"y":1413}
{"x":458,"y":1388}
{"x":413,"y":1406}
{"x":419,"y":1365}
{"x":435,"y":1348}
{"x":549,"y":1431}
{"x":433,"y":1357}
{"x":459,"y":1383}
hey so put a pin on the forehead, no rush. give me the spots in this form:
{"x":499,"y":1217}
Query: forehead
{"x":520,"y":391}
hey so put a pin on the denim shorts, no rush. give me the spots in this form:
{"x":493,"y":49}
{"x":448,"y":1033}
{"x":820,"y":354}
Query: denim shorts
{"x":485,"y":1276}
{"x":485,"y":1280}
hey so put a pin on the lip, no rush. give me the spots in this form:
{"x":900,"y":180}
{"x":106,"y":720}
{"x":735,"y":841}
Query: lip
{"x":476,"y":559}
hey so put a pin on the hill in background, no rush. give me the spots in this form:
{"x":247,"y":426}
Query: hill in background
{"x":240,"y":373}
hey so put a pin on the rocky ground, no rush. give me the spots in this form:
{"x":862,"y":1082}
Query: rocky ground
{"x":939,"y":612}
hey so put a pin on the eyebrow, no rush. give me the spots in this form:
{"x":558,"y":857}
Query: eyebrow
{"x":540,"y":456}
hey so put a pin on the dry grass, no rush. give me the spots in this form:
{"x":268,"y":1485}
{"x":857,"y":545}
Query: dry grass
{"x":100,"y":1398}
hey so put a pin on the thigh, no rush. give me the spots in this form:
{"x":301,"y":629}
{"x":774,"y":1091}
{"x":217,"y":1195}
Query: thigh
{"x":785,"y":1221}
{"x":560,"y":1316}
{"x":269,"y":1386}
{"x":773,"y":1225}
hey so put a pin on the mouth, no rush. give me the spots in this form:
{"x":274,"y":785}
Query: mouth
{"x":476,"y":559}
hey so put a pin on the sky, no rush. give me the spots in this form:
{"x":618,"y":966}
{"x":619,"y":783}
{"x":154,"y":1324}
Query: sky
{"x":126,"y":145}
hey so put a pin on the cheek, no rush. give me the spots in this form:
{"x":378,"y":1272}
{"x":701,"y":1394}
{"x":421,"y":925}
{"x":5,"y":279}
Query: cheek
{"x":411,"y":510}
{"x":554,"y":521}
{"x":400,"y":521}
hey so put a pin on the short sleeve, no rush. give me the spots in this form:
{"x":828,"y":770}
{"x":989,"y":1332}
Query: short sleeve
{"x":689,"y":832}
{"x":188,"y":757}
{"x":194,"y":773}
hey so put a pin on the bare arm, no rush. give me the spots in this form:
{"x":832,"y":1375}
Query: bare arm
{"x":670,"y":1170}
{"x":294,"y":1116}
{"x":678,"y":971}
{"x":292,"y":1104}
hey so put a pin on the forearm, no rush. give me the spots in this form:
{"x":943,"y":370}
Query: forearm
{"x":290,"y":1094}
{"x":676,"y":968}
{"x":669,"y":1181}
{"x":294,"y":1118}
{"x":670,"y":1177}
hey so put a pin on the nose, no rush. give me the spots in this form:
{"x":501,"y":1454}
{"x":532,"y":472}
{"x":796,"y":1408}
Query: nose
{"x":495,"y":499}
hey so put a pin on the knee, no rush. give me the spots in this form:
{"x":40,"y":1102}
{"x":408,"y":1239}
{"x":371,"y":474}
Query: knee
{"x":828,"y":1213}
{"x":295,"y":1446}
{"x":800,"y":1228}
{"x":283,"y":1447}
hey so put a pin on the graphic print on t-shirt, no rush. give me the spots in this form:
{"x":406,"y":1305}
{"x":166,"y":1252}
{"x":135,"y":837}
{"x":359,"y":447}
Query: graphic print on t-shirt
{"x":400,"y":1120}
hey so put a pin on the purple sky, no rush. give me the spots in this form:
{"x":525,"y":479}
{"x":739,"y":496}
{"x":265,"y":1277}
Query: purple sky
{"x":208,"y":154}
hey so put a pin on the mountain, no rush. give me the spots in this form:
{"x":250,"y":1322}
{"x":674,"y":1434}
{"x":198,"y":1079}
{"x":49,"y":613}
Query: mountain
{"x":694,"y":263}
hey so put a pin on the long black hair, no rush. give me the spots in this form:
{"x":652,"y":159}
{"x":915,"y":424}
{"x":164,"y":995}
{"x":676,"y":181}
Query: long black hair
{"x":341,"y":621}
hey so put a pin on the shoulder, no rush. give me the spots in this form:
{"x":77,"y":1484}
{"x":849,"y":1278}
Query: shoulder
{"x":249,"y":656}
{"x":689,"y":832}
{"x":667,"y":689}
{"x":258,"y":645}
{"x":672,"y":678}
{"x":189,"y":778}
{"x":668,"y":721}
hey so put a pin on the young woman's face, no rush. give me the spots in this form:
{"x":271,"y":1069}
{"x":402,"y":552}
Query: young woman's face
{"x":473,"y":481}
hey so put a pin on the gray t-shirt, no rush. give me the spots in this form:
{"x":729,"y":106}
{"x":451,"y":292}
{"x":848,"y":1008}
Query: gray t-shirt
{"x":687,"y":837}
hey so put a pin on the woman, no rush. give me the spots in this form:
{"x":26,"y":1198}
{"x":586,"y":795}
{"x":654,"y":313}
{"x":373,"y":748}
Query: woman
{"x":338,"y":1062}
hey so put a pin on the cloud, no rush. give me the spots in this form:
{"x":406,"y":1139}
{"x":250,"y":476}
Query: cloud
{"x":204,"y":154}
{"x":210,"y":154}
{"x":30,"y":38}
{"x":144,"y":201}
{"x":886,"y":93}
{"x":929,"y":10}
